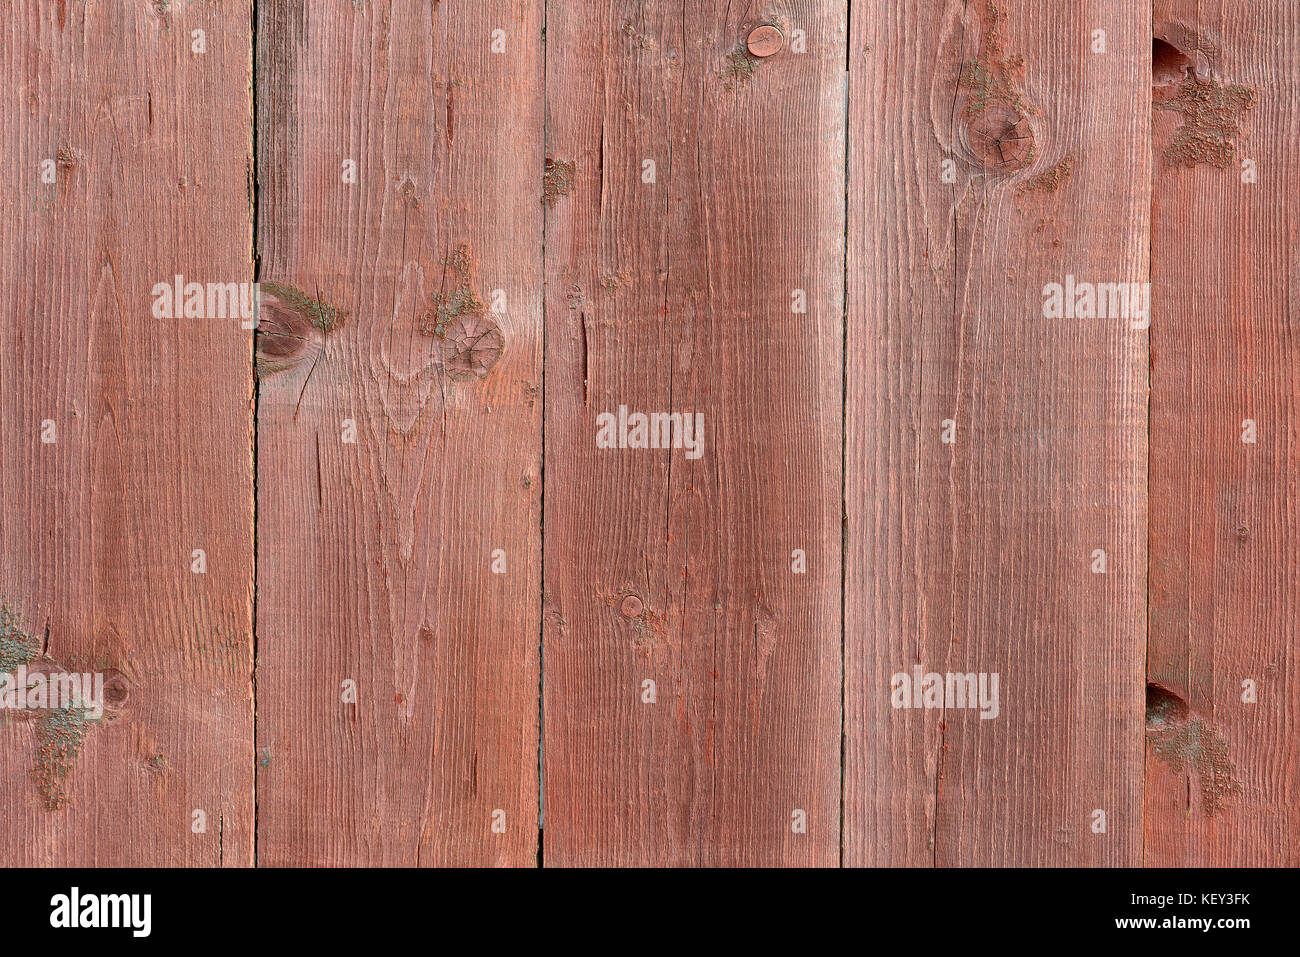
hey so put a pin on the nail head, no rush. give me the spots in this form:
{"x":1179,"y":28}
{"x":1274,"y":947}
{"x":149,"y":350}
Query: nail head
{"x":765,"y":40}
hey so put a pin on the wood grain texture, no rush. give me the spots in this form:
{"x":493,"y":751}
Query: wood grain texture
{"x":375,"y":557}
{"x":147,"y":428}
{"x":1223,"y":780}
{"x":837,"y":255}
{"x":675,"y":296}
{"x":974,"y":556}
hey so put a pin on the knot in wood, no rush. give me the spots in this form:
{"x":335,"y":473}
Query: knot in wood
{"x":116,"y":690}
{"x":1001,"y":139}
{"x":471,"y":347}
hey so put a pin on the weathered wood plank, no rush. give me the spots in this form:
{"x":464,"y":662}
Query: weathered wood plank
{"x":974,"y":555}
{"x":1223,"y":779}
{"x":376,"y":556}
{"x":127,"y":436}
{"x":676,"y":294}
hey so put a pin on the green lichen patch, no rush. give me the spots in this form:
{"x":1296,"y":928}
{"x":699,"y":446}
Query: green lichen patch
{"x":459,"y":301}
{"x":740,"y":67}
{"x":59,"y":739}
{"x":1197,"y":748}
{"x":61,"y":731}
{"x":993,"y":76}
{"x":613,"y":281}
{"x":469,"y":341}
{"x":1212,"y":115}
{"x":557,"y":180}
{"x":1050,"y":180}
{"x":643,"y":41}
{"x":320,"y":314}
{"x":994,"y":108}
{"x":988,"y":82}
{"x":16,"y":646}
{"x":448,"y":307}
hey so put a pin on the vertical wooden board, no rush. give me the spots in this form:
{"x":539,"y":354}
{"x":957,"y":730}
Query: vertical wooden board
{"x":674,"y":289}
{"x":127,"y":433}
{"x":1223,"y":779}
{"x":975,"y":556}
{"x":393,"y":478}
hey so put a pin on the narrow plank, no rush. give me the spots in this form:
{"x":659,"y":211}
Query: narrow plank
{"x":1223,"y":778}
{"x":128,"y":436}
{"x":393,"y":461}
{"x":670,"y":565}
{"x":975,"y":555}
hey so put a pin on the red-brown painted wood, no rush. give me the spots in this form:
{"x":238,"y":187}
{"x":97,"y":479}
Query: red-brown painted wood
{"x":677,"y":296}
{"x":1223,"y":781}
{"x":376,"y":556}
{"x":127,"y":437}
{"x":975,"y":555}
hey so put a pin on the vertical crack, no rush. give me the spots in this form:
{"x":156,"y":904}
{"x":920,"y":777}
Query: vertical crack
{"x":1146,"y":650}
{"x":541,"y":616}
{"x":956,"y":307}
{"x":256,"y":259}
{"x":844,"y":415}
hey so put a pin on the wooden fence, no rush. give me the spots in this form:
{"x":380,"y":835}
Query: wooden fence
{"x":715,"y":433}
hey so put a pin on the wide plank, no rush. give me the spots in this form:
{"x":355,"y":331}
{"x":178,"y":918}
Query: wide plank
{"x":694,"y":267}
{"x":126,"y":500}
{"x":993,"y":452}
{"x":399,"y":433}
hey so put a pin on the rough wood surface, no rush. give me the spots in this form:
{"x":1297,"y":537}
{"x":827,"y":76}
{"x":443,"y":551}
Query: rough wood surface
{"x":482,"y":229}
{"x":127,"y":438}
{"x":376,"y":557}
{"x":975,"y":555}
{"x":676,"y":296}
{"x":1223,"y":780}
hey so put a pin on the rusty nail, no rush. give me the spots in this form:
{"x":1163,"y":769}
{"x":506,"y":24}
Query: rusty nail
{"x":631,"y":607}
{"x":765,"y":40}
